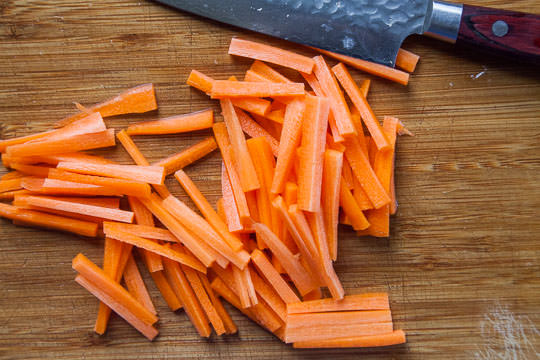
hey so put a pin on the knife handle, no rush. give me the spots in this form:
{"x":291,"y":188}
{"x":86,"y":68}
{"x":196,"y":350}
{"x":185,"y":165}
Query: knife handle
{"x":504,"y":32}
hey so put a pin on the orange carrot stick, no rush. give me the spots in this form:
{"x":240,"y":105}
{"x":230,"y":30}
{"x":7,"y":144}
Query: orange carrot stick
{"x":203,"y":299}
{"x":200,"y":81}
{"x":244,"y":165}
{"x":270,"y":54}
{"x":55,"y":159}
{"x":291,"y":264}
{"x":235,"y":89}
{"x":360,"y":102}
{"x":148,"y":174}
{"x":139,"y":99}
{"x":270,"y":126}
{"x":289,"y":141}
{"x":364,"y":87}
{"x":351,"y":209}
{"x":10,"y":195}
{"x":254,"y":130}
{"x":30,"y":170}
{"x":136,"y":286}
{"x":330,"y":87}
{"x":144,"y":219}
{"x":386,"y":72}
{"x":311,"y":155}
{"x":23,"y":139}
{"x":111,"y":231}
{"x":166,"y":290}
{"x":230,"y":209}
{"x":329,"y":325}
{"x":73,"y":143}
{"x":222,"y":139}
{"x":228,"y":322}
{"x":12,"y":175}
{"x":79,"y":208}
{"x":332,"y":144}
{"x":187,"y":156}
{"x":367,"y":301}
{"x":332,"y":168}
{"x":199,"y":226}
{"x":291,"y":193}
{"x":121,"y":186}
{"x":360,"y":196}
{"x":362,"y":170}
{"x":406,"y":60}
{"x":200,"y":250}
{"x":392,"y":338}
{"x":146,"y":231}
{"x":48,"y":221}
{"x":174,"y":124}
{"x":313,"y":295}
{"x":269,"y":295}
{"x":269,"y":73}
{"x":302,"y":226}
{"x":95,"y":275}
{"x":11,"y":185}
{"x":66,"y":188}
{"x":184,"y":292}
{"x":242,"y":288}
{"x":207,"y":210}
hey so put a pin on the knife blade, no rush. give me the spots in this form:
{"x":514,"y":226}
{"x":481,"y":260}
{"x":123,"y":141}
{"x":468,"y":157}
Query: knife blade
{"x":374,"y":29}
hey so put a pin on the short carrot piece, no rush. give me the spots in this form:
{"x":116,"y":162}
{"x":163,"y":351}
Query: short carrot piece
{"x":120,"y":186}
{"x":48,"y":221}
{"x":332,"y":168}
{"x":254,"y":130}
{"x":230,"y":209}
{"x":351,"y":209}
{"x":367,"y":301}
{"x":242,"y":288}
{"x":329,"y":325}
{"x":289,"y":141}
{"x":311,"y":155}
{"x":200,"y":81}
{"x":139,"y":99}
{"x":180,"y":285}
{"x":235,"y":89}
{"x":111,"y":231}
{"x":147,"y":174}
{"x":393,"y":338}
{"x":407,"y":60}
{"x":385,"y":72}
{"x":74,"y":143}
{"x":242,"y":160}
{"x":207,"y":210}
{"x":79,"y":208}
{"x":271,"y":54}
{"x":136,"y":286}
{"x":269,"y":73}
{"x":330,"y":87}
{"x":174,"y":124}
{"x":187,"y":156}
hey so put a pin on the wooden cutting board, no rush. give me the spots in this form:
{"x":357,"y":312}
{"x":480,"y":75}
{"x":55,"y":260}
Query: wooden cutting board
{"x":462,"y":264}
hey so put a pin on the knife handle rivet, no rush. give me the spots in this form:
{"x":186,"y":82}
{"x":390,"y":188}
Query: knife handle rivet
{"x":499,"y":28}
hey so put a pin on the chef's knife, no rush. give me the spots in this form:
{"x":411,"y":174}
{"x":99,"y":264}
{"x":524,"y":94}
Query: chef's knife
{"x":374,"y":29}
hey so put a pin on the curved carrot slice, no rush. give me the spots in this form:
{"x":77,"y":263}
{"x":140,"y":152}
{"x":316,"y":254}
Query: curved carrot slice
{"x":48,"y":221}
{"x":148,"y":174}
{"x":136,"y":286}
{"x":242,"y":160}
{"x":73,"y":143}
{"x":188,"y":155}
{"x":139,"y":99}
{"x":207,"y":210}
{"x":177,"y":278}
{"x":121,"y":186}
{"x":407,"y":60}
{"x":360,"y":102}
{"x":236,"y":89}
{"x":174,"y":124}
{"x":332,"y":168}
{"x":328,"y":325}
{"x":79,"y":208}
{"x":311,"y":155}
{"x":386,"y":72}
{"x":289,"y":141}
{"x":270,"y":54}
{"x":254,"y":130}
{"x":392,"y":338}
{"x":290,"y":263}
{"x":113,"y":232}
{"x":367,"y":301}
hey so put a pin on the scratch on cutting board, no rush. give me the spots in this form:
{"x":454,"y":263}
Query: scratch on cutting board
{"x":476,"y":76}
{"x":507,"y":336}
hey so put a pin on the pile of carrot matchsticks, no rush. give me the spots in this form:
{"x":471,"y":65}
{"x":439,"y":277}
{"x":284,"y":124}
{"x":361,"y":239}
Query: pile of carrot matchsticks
{"x":312,"y":159}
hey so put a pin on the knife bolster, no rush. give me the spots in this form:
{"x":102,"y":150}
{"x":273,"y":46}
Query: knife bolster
{"x":445,"y":21}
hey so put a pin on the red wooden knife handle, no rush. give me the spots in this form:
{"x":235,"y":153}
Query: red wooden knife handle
{"x":511,"y":33}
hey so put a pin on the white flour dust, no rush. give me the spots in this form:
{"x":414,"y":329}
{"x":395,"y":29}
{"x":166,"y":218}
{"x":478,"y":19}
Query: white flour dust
{"x":507,"y":336}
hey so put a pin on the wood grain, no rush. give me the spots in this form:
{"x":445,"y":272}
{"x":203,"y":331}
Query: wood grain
{"x":463,"y":256}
